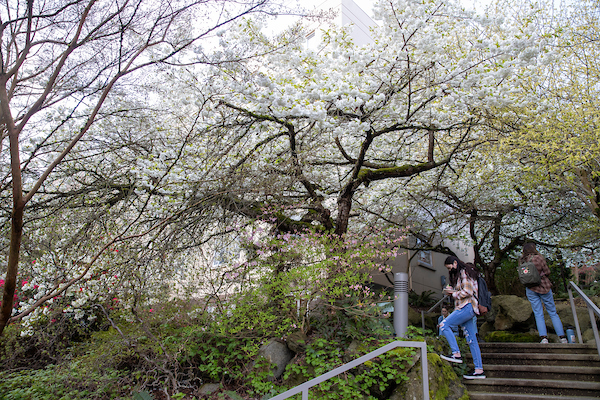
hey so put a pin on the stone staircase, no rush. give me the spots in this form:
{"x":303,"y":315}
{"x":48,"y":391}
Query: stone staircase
{"x":536,"y":371}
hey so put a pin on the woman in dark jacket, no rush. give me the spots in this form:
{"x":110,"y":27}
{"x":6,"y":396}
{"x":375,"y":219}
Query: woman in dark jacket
{"x":540,"y":296}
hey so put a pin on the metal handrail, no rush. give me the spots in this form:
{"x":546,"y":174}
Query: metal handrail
{"x":430,"y":310}
{"x":592,"y":309}
{"x":303,"y":388}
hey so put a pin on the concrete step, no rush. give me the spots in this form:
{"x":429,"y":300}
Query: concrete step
{"x":558,"y":372}
{"x":578,"y":348}
{"x":535,"y":371}
{"x":550,"y":359}
{"x":546,"y":387}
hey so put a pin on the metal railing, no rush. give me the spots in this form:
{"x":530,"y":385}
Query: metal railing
{"x":592,"y":309}
{"x":430,"y":310}
{"x":303,"y":388}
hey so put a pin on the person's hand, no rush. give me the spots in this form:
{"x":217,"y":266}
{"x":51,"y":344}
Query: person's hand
{"x":448,"y":290}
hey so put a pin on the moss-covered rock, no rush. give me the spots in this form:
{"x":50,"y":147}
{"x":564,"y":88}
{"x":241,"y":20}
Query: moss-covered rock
{"x":444,"y":384}
{"x":414,"y":317}
{"x":504,"y":336}
{"x":511,"y":311}
{"x":297,"y":341}
{"x":566,"y":316}
{"x":588,"y":336}
{"x":278,"y":354}
{"x":486,"y":328}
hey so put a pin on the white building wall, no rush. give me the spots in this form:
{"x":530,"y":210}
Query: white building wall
{"x":344,"y":13}
{"x":464,"y":252}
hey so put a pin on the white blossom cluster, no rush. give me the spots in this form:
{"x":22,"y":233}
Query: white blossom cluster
{"x":431,"y":66}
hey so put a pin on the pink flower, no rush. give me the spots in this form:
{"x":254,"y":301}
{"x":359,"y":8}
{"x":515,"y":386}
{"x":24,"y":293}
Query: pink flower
{"x":151,"y":310}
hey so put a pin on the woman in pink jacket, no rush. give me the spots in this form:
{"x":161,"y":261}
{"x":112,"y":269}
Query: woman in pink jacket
{"x":463,"y":289}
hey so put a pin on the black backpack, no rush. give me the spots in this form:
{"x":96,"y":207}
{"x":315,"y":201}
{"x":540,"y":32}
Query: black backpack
{"x":483,"y":296}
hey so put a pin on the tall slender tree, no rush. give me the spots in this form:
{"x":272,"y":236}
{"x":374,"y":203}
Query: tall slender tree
{"x":60,"y":61}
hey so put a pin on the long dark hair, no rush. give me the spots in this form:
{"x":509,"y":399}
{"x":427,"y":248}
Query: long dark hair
{"x":455,"y":273}
{"x":529,"y":250}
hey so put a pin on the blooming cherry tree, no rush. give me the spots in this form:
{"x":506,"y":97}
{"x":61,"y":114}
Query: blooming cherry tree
{"x":328,"y":128}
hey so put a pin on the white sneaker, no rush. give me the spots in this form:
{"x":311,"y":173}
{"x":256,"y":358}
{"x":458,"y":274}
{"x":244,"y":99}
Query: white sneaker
{"x":544,"y":341}
{"x":564,"y":340}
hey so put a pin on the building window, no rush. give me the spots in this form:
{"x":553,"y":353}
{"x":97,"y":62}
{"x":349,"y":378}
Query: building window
{"x":424,"y":259}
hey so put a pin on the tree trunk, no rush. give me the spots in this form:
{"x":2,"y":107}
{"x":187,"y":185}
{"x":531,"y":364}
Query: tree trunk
{"x":490,"y":275}
{"x":10,"y":282}
{"x":344,"y":207}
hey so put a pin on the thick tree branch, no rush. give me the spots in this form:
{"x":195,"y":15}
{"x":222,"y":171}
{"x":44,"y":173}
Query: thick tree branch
{"x":370,"y":175}
{"x":353,"y":160}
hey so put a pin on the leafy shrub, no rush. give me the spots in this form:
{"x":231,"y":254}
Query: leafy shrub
{"x":507,"y":279}
{"x":344,"y":321}
{"x":184,"y":343}
{"x":70,"y":381}
{"x":371,"y":380}
{"x":593,"y":290}
{"x":52,"y":337}
{"x":559,"y":276}
{"x":218,"y":357}
{"x":425,"y":299}
{"x":172,"y":350}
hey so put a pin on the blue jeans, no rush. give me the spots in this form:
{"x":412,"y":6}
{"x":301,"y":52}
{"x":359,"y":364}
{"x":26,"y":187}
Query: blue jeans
{"x":536,"y":301}
{"x":463,"y":316}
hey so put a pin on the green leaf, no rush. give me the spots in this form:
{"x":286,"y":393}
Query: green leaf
{"x":142,"y":396}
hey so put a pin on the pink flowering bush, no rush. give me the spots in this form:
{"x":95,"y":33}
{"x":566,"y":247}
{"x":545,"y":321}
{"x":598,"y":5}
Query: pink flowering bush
{"x":293,"y":280}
